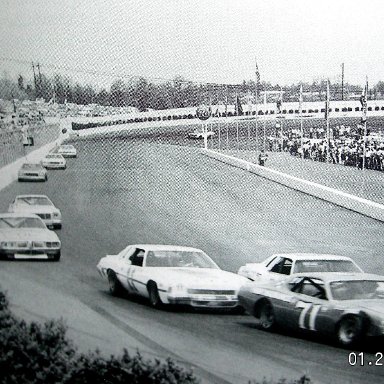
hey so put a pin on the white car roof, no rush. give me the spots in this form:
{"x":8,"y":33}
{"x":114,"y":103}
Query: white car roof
{"x":312,"y":256}
{"x":35,"y":165}
{"x":164,"y":247}
{"x":24,"y":196}
{"x":24,"y":214}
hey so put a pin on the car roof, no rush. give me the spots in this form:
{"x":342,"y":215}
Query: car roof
{"x":24,"y":196}
{"x":33,"y":164}
{"x":164,"y":247}
{"x":339,"y":276}
{"x":10,"y":215}
{"x":312,"y":256}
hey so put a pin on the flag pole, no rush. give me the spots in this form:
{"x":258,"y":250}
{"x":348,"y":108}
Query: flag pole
{"x":365,"y":102}
{"x":281,"y":123}
{"x":327,"y":120}
{"x":256,"y":105}
{"x":301,"y":119}
{"x":264,"y":122}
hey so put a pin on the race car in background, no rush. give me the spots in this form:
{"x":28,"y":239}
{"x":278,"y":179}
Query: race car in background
{"x":54,"y":161}
{"x":168,"y":274}
{"x":196,"y":134}
{"x":347,"y":307}
{"x":40,"y":205}
{"x":67,"y":150}
{"x":25,"y":236}
{"x":32,"y":172}
{"x":277,"y":266}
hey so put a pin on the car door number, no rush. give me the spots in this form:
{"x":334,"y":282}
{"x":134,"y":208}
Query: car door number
{"x":130,"y":281}
{"x":313,"y":310}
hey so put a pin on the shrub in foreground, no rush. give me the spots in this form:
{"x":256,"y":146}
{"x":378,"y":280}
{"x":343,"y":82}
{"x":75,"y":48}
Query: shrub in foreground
{"x":41,"y":353}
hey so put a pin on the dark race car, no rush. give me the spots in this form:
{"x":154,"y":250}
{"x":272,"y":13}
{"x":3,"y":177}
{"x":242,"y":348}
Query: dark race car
{"x":349,"y":307}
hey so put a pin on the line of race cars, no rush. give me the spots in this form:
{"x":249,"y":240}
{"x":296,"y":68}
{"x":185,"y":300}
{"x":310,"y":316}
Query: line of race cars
{"x":25,"y":229}
{"x":325,"y":294}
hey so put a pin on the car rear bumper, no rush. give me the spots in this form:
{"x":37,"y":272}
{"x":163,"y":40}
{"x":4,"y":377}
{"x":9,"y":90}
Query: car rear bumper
{"x":68,"y":155}
{"x":54,"y":166}
{"x":31,"y":178}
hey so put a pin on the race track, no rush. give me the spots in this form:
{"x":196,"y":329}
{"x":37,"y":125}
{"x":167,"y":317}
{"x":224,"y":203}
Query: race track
{"x":152,"y":188}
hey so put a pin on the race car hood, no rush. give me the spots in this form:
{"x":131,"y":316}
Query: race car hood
{"x":199,"y":277}
{"x":34,"y":209}
{"x":27,"y":234}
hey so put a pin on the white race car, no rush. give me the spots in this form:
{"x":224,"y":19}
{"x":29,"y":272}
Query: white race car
{"x":196,"y":134}
{"x":40,"y":205}
{"x":32,"y":172}
{"x":277,"y":267}
{"x":168,"y":274}
{"x":25,"y":236}
{"x":67,"y":150}
{"x":54,"y":161}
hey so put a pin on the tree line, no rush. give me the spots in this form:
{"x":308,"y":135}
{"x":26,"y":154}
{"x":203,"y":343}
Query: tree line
{"x":177,"y":93}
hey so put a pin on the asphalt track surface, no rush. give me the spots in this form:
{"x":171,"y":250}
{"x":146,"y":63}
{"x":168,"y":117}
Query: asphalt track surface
{"x":158,"y":188}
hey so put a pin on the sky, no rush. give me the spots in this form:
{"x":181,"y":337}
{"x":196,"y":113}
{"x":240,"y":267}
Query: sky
{"x":214,"y":41}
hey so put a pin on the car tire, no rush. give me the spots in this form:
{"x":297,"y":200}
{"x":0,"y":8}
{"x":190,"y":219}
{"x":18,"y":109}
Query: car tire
{"x":154,"y":297}
{"x":266,"y":315}
{"x":349,"y":331}
{"x":46,"y":178}
{"x":115,"y":287}
{"x":57,"y":256}
{"x":57,"y":226}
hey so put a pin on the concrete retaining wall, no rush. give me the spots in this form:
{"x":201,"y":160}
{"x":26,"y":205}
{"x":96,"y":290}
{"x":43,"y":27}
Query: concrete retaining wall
{"x":343,"y":199}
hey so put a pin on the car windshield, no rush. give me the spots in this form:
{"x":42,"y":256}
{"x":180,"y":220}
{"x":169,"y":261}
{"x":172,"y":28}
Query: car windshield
{"x":357,"y":290}
{"x":31,"y":166}
{"x":325,"y":266}
{"x":177,"y":259}
{"x":34,"y":200}
{"x":21,"y":222}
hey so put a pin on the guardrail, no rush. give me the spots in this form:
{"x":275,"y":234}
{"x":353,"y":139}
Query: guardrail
{"x":343,"y":199}
{"x":289,"y":111}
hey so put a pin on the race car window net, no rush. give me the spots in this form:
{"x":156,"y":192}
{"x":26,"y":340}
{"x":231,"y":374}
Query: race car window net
{"x":179,"y":259}
{"x":310,"y":287}
{"x":357,"y":290}
{"x":284,"y":267}
{"x":21,"y":222}
{"x":138,"y":257}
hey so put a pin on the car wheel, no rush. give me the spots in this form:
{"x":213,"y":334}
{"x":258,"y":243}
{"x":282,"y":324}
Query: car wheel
{"x":57,"y":226}
{"x":46,"y":177}
{"x":266,"y":316}
{"x":114,"y":284}
{"x":154,"y":297}
{"x":57,"y":256}
{"x":350,"y":331}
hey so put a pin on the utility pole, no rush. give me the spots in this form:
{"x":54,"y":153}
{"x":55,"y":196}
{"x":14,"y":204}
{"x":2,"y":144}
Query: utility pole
{"x":40,"y":80}
{"x":35,"y":80}
{"x":342,"y":81}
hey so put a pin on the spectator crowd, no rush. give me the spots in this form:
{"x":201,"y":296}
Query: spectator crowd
{"x":346,"y":147}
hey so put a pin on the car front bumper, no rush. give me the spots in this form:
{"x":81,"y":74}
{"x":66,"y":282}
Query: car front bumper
{"x":31,"y":254}
{"x":205,"y":301}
